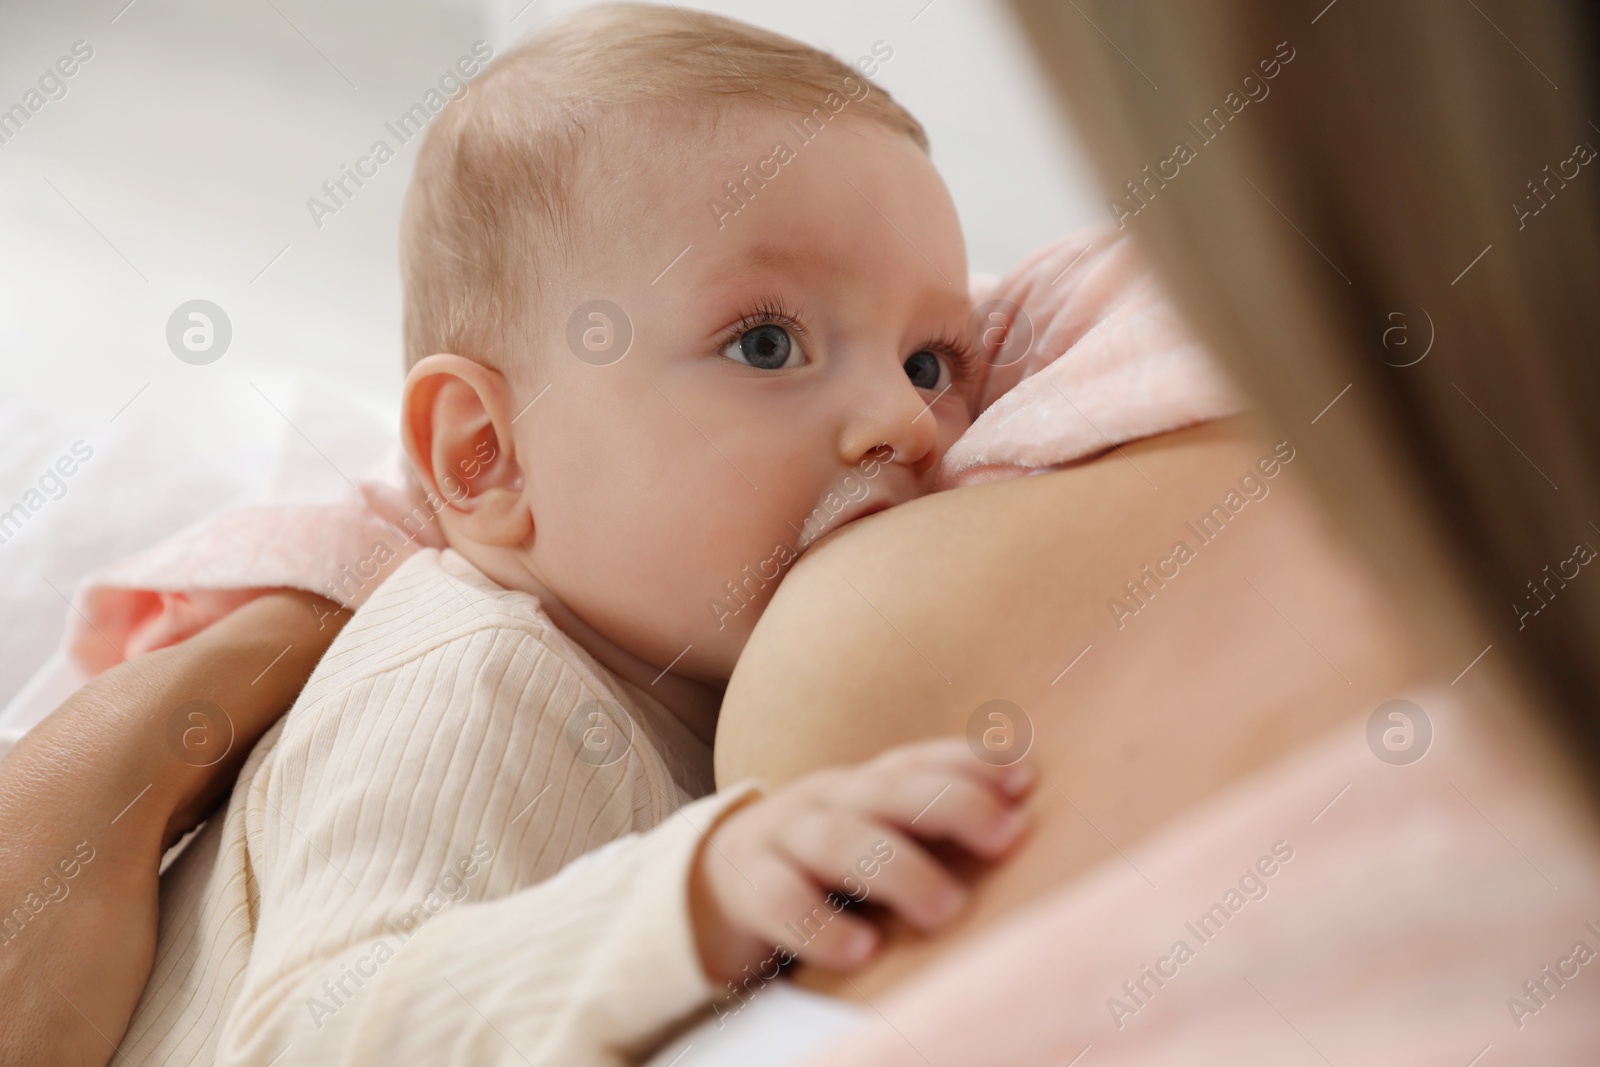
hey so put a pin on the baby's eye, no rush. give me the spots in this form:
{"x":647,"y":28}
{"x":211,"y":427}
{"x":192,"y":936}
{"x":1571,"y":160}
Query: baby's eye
{"x":925,"y":369}
{"x":766,"y":347}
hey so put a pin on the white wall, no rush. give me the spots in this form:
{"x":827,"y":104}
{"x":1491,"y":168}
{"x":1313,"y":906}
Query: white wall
{"x":179,"y":163}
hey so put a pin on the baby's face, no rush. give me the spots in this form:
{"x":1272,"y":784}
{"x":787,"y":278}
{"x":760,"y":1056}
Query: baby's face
{"x":795,"y":362}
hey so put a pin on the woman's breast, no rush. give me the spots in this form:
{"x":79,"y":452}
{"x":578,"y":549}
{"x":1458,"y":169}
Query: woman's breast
{"x":1144,"y":695}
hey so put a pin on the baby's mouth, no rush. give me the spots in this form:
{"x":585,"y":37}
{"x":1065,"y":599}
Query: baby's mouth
{"x":821,"y":522}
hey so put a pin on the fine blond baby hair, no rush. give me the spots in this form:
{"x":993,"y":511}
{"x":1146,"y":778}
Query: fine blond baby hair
{"x":494,"y":210}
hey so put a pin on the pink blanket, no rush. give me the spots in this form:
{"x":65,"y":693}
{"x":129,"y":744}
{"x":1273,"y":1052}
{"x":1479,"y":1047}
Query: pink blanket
{"x":1084,"y":353}
{"x":1093,"y":356}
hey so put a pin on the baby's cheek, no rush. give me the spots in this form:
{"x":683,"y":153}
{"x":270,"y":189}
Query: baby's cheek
{"x":724,"y":572}
{"x":718,"y":614}
{"x":718,"y":559}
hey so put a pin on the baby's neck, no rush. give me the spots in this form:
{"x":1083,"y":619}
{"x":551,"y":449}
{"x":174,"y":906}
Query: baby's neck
{"x":693,"y":703}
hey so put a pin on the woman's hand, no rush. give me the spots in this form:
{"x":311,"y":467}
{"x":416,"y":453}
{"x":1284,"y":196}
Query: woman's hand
{"x":780,"y":870}
{"x":92,"y":797}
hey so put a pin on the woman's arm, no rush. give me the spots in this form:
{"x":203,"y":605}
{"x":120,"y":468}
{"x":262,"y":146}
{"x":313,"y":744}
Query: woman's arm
{"x":92,"y":797}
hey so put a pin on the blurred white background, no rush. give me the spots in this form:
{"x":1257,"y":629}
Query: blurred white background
{"x":178,"y":166}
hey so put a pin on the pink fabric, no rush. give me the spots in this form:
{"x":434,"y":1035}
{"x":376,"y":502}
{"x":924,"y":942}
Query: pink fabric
{"x":1094,"y":355}
{"x":180,"y":586}
{"x":1108,"y":362}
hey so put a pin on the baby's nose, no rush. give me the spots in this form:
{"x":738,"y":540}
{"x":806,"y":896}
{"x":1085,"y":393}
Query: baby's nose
{"x":900,"y":418}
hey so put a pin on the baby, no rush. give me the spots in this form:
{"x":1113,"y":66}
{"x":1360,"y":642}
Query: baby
{"x":682,"y":296}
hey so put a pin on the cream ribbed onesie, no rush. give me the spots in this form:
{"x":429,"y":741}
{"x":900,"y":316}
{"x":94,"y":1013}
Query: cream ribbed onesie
{"x":379,"y":889}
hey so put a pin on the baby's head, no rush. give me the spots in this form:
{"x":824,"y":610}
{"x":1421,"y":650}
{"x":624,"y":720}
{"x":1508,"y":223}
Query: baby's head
{"x":681,"y":295}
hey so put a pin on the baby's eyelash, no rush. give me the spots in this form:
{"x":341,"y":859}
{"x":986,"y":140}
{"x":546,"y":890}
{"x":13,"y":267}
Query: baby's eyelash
{"x":768,"y":313}
{"x":964,"y":361}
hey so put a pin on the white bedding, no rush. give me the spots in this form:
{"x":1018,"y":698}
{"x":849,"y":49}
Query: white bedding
{"x":143,"y":480}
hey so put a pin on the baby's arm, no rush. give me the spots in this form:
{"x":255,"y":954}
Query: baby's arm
{"x":567,"y":972}
{"x":92,"y":796}
{"x":589,"y":967}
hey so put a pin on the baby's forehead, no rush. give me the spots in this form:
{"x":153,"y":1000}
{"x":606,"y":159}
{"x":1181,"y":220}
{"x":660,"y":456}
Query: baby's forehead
{"x":739,"y":188}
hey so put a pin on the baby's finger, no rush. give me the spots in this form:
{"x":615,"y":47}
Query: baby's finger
{"x":874,"y":861}
{"x":810,"y":923}
{"x":939,"y":806}
{"x":953,"y":756}
{"x":830,"y":937}
{"x":786,"y":907}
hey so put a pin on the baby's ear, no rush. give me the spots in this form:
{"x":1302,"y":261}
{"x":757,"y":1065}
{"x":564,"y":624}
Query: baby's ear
{"x":455,"y":422}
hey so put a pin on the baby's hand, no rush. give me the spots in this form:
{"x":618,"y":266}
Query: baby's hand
{"x":775,"y":872}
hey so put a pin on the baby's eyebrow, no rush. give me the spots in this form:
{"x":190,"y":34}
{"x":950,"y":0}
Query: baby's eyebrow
{"x":767,"y":256}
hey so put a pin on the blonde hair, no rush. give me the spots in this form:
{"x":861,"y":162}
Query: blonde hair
{"x":1397,"y":167}
{"x":494,"y":207}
